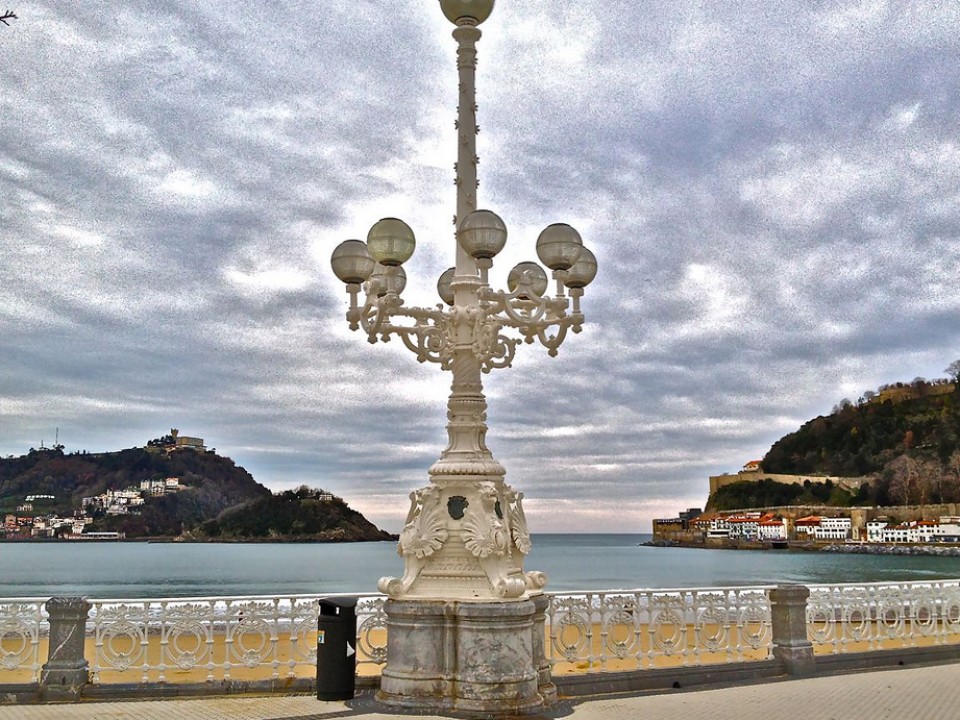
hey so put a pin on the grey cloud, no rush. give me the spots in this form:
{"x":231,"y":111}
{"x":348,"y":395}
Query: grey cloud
{"x":771,"y":191}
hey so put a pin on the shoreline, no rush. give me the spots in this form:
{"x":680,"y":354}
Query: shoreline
{"x":161,"y":540}
{"x":850,"y":548}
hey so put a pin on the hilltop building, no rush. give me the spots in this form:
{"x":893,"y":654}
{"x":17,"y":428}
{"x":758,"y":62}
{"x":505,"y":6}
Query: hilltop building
{"x":175,"y":441}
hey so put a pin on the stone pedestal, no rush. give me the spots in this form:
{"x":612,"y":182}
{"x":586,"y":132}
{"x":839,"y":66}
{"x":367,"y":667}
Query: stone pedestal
{"x":65,"y":673}
{"x":788,"y":615}
{"x":484,"y":657}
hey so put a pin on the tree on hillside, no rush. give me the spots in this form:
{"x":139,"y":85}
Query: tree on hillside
{"x":905,"y":480}
{"x":916,"y":481}
{"x":951,"y":478}
{"x":953,"y":370}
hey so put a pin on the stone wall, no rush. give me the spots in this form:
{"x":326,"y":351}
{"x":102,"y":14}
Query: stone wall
{"x":851,"y":484}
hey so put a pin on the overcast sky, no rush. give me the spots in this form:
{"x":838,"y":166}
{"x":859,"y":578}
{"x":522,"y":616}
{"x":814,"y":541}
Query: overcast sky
{"x":772,"y":190}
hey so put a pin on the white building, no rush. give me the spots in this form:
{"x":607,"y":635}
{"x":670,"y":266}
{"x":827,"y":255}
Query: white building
{"x":772,"y":529}
{"x":719,"y":528}
{"x":875,"y":530}
{"x":832,"y":528}
{"x":922,"y":531}
{"x":806,"y":526}
{"x":160,"y":487}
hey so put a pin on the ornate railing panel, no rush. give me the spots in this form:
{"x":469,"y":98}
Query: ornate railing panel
{"x":371,"y":634}
{"x":22,"y":625}
{"x":639,"y":629}
{"x":258,"y":638}
{"x":882,"y":616}
{"x":204,"y":639}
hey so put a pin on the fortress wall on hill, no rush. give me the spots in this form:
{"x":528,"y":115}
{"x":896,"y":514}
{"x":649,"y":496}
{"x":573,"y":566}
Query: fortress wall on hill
{"x":847,"y":483}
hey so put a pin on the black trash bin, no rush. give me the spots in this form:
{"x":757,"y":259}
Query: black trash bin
{"x":337,"y":649}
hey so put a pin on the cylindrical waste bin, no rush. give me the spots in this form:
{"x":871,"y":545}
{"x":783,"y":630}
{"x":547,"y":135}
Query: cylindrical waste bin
{"x":337,"y":649}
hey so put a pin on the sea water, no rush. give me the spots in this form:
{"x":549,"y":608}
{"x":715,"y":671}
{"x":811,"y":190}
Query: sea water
{"x":572,"y":562}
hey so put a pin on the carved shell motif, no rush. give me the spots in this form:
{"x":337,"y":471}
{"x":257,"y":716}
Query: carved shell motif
{"x":426,"y":532}
{"x":483,"y":537}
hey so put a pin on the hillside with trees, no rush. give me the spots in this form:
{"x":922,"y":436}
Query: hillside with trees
{"x":767,"y":493}
{"x":301,"y":514}
{"x":208,"y":485}
{"x":906,"y":436}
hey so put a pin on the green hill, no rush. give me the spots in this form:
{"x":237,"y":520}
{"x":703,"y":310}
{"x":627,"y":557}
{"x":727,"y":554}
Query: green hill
{"x":208,"y":486}
{"x":907,"y":437}
{"x":767,"y":493}
{"x":302,"y":514}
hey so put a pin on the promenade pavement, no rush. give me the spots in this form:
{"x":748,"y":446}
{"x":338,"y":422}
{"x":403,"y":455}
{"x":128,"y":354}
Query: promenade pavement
{"x":917,"y":693}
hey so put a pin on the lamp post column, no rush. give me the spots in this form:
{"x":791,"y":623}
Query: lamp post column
{"x":466,"y":34}
{"x":467,"y":406}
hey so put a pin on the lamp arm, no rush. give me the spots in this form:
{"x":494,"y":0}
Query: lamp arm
{"x":552,"y":342}
{"x":519,"y":311}
{"x":499,"y":353}
{"x":428,"y":338}
{"x":372,"y":316}
{"x":430,"y":343}
{"x":494,"y":349}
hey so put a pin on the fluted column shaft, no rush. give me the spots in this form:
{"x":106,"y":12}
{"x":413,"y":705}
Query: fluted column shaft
{"x":467,"y":406}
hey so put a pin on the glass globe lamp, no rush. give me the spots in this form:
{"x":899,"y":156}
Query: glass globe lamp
{"x":479,"y":10}
{"x":391,"y":242}
{"x":444,"y":288}
{"x":482,"y":234}
{"x":559,"y":246}
{"x":351,"y":262}
{"x":583,"y":271}
{"x":388,"y":279}
{"x":533,"y":272}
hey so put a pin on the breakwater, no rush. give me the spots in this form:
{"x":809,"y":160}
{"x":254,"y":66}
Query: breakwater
{"x":938,"y":550}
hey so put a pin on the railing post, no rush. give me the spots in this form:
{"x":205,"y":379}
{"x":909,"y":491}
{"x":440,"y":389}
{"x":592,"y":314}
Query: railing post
{"x":65,"y":673}
{"x":544,"y":680}
{"x":788,"y":615}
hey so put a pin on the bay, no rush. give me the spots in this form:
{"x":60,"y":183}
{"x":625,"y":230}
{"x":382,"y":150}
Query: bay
{"x":572,"y":562}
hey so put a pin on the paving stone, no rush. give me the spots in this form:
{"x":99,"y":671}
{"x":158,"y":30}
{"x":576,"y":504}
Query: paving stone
{"x":916,"y":693}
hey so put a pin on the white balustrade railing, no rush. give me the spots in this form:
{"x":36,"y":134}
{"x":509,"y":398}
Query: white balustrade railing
{"x":21,"y":622}
{"x":196,"y":639}
{"x":882,"y":616}
{"x":638,"y":629}
{"x":275,"y":637}
{"x":174,"y":639}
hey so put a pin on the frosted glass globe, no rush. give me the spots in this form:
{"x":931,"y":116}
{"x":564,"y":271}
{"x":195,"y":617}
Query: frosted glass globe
{"x":351,"y":262}
{"x":582,"y":272}
{"x":479,"y":10}
{"x":391,"y":242}
{"x":538,"y":278}
{"x":482,"y":234}
{"x":559,"y":246}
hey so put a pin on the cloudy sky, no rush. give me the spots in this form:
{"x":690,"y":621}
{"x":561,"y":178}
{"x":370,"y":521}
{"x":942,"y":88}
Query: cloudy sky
{"x":772,"y":191}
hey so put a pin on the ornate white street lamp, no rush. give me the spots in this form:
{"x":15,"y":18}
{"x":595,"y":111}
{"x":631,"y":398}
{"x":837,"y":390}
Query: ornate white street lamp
{"x":465,"y":621}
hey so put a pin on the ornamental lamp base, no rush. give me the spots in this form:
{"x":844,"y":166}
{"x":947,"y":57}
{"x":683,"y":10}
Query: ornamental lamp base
{"x":477,"y":657}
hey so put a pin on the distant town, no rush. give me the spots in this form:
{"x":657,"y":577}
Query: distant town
{"x":804,"y":525}
{"x":31,"y":522}
{"x":768,"y":527}
{"x":28,"y":523}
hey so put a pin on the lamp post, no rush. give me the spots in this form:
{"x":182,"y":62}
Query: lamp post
{"x":465,"y":621}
